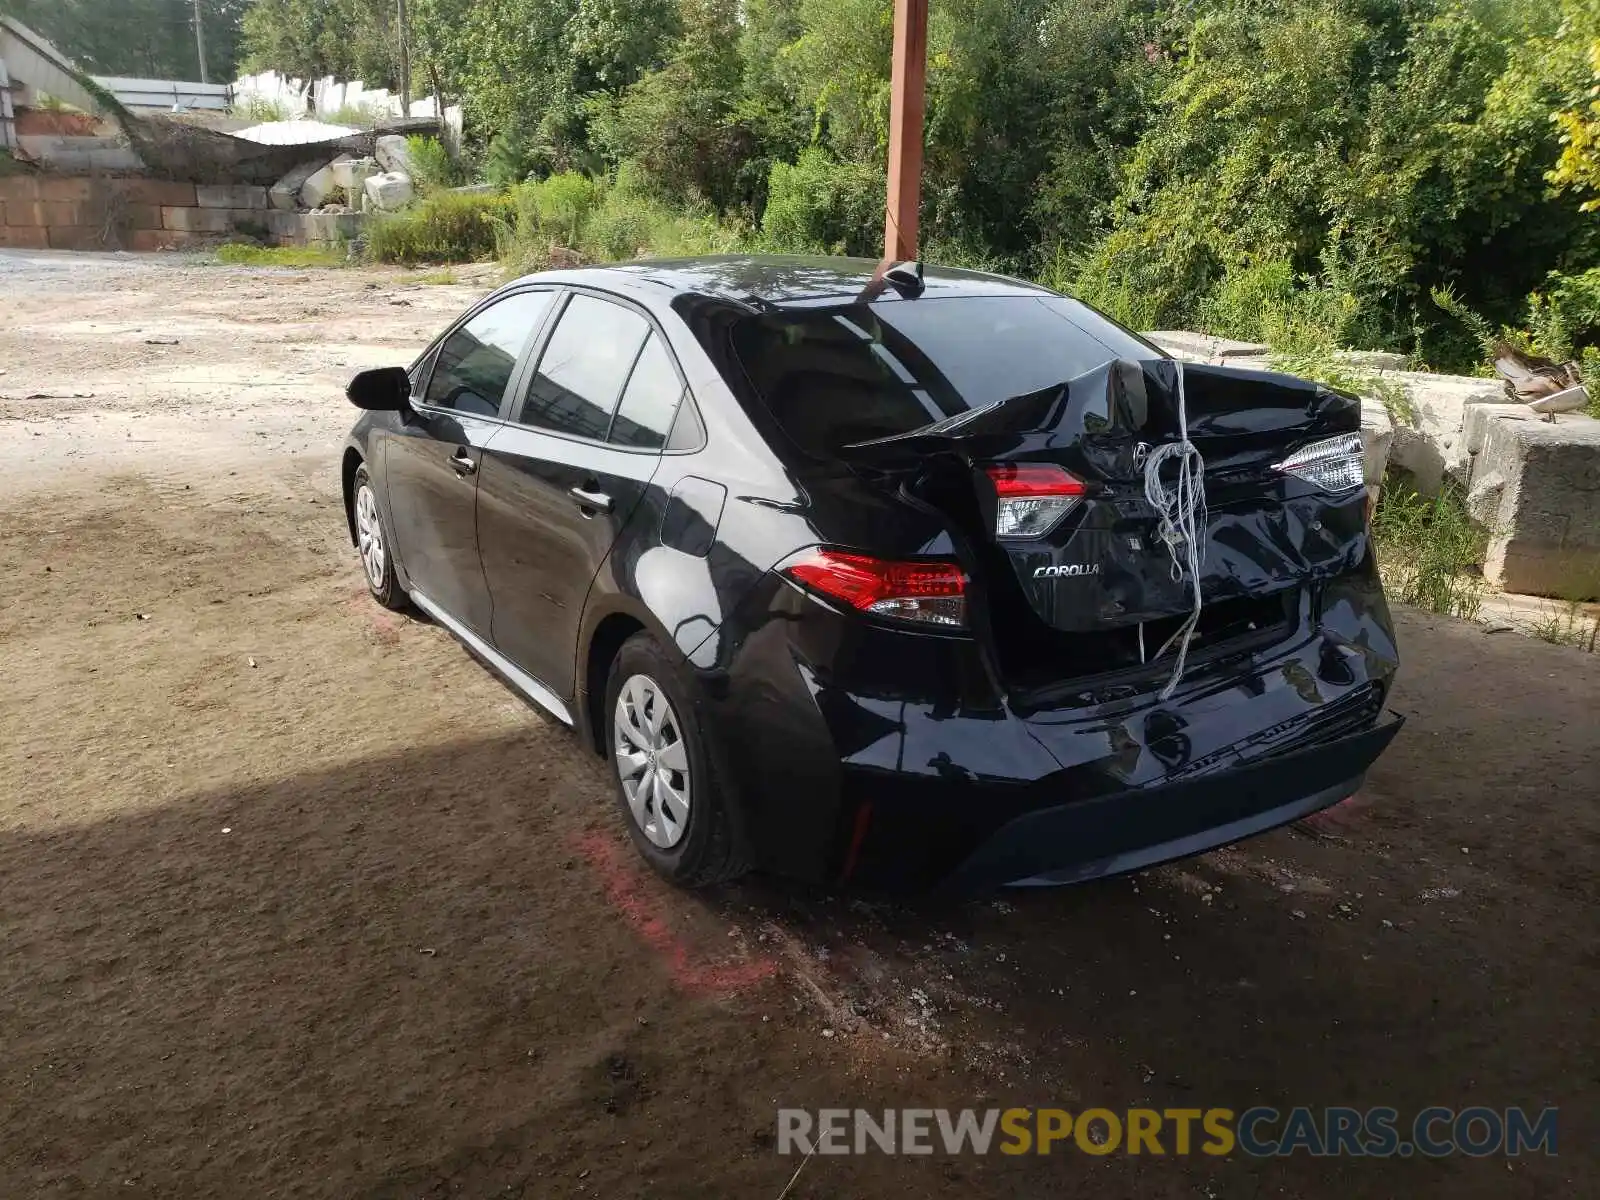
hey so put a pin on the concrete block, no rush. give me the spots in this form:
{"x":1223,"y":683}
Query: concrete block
{"x":1373,"y":360}
{"x":289,"y":226}
{"x":285,"y":194}
{"x":197,"y":220}
{"x":1536,"y":486}
{"x":142,"y":216}
{"x":56,"y":212}
{"x":233,"y":195}
{"x":332,"y":227}
{"x":114,"y":158}
{"x":147,"y":240}
{"x":351,"y":175}
{"x":158,"y":192}
{"x":25,"y":237}
{"x":1479,"y":418}
{"x":65,"y":190}
{"x":1377,"y":439}
{"x":249,"y":220}
{"x":393,"y":154}
{"x":77,"y":237}
{"x":318,"y":188}
{"x":1435,"y":447}
{"x":24,"y":212}
{"x":389,"y":191}
{"x":1205,"y":348}
{"x":18,"y":188}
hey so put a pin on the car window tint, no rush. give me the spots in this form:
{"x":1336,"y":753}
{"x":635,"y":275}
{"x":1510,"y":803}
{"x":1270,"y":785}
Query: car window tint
{"x":475,"y":364}
{"x":583,"y":367}
{"x":839,"y":375}
{"x":650,"y":400}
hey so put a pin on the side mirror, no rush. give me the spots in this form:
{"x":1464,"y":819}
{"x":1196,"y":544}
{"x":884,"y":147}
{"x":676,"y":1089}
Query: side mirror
{"x":386,"y":389}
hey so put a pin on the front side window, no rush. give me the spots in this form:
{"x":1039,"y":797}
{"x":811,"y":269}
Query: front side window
{"x":583,"y":368}
{"x":475,"y":364}
{"x":650,"y":400}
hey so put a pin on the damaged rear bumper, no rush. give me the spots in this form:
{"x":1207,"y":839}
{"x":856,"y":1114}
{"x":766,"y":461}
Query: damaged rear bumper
{"x":1130,"y":830}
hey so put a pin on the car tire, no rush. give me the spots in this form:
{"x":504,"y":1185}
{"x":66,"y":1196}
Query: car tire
{"x":678,"y":820}
{"x":374,"y":544}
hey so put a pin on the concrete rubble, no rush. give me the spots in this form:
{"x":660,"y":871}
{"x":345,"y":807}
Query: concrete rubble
{"x":1533,"y":484}
{"x":388,"y":191}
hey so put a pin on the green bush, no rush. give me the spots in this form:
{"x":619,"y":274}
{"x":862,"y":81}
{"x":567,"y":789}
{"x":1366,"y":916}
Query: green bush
{"x":432,"y":168}
{"x":1429,"y":551}
{"x":604,"y":220}
{"x":820,"y":206}
{"x":447,"y":227}
{"x":556,"y":207}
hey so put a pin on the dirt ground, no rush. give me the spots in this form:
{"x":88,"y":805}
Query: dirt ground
{"x":297,"y":900}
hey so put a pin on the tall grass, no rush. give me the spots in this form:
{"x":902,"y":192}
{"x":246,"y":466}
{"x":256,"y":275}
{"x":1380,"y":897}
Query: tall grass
{"x":1429,"y":551}
{"x":1569,"y":625}
{"x":442,"y":228}
{"x":262,"y":109}
{"x":432,"y":168}
{"x":299,"y":257}
{"x":569,"y":218}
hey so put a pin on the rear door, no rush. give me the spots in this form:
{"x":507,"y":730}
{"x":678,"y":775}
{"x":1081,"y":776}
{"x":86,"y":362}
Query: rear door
{"x":558,"y":483}
{"x":431,"y":464}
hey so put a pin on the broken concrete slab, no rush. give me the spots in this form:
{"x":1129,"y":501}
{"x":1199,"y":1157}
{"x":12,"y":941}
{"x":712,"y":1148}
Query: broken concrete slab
{"x":351,"y":175}
{"x":319,"y":186}
{"x":1373,"y":360}
{"x":1203,"y":347}
{"x":1536,"y":486}
{"x":1377,"y":440}
{"x":230,"y":196}
{"x":1433,"y":447}
{"x":393,"y":154}
{"x":389,"y":191}
{"x":285,"y":194}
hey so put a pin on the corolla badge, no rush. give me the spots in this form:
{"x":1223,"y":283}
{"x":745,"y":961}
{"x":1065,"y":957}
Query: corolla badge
{"x":1067,"y":569}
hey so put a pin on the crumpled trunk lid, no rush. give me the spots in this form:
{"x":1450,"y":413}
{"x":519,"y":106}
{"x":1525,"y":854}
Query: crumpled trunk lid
{"x":1103,"y":564}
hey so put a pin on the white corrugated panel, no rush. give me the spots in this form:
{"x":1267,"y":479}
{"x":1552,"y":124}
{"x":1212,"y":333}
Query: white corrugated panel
{"x":166,"y":93}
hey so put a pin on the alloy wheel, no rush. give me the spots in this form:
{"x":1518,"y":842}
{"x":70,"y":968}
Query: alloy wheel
{"x":369,"y":536}
{"x":652,"y":761}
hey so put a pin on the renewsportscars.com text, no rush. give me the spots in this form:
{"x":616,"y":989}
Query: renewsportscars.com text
{"x":1259,"y":1132}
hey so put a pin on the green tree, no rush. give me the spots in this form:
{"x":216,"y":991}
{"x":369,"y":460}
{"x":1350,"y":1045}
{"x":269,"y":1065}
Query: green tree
{"x":307,"y":39}
{"x":678,"y":123}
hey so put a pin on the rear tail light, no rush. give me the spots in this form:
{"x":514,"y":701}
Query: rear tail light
{"x":926,"y":593}
{"x":1031,"y":497}
{"x":1334,"y":464}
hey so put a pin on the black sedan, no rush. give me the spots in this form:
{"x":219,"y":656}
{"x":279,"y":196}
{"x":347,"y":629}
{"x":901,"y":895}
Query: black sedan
{"x":864,"y":576}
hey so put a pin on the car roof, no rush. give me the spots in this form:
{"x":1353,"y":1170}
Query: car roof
{"x":765,"y":281}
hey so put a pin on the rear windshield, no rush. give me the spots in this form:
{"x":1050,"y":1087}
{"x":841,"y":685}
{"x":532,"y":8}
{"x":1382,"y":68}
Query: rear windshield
{"x":832,"y":376}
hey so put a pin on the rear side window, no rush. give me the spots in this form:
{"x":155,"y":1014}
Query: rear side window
{"x":583,"y":368}
{"x":832,"y":376}
{"x":650,"y":400}
{"x":474,"y":366}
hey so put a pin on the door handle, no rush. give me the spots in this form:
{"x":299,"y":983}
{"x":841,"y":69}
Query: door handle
{"x":462,"y":463}
{"x":598,"y":501}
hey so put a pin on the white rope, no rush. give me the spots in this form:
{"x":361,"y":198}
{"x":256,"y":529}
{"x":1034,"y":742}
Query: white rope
{"x":1182,"y":512}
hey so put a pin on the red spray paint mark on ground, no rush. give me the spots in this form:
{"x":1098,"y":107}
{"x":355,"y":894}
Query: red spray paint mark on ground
{"x":628,"y":888}
{"x":1344,"y":815}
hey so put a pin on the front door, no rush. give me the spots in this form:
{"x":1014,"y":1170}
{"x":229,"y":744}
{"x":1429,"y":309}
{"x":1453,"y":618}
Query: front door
{"x":431,"y":467}
{"x":561,"y":480}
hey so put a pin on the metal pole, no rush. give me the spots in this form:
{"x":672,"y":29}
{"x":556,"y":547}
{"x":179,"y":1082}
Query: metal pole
{"x":200,"y":41}
{"x":907,"y":85}
{"x":405,"y":63}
